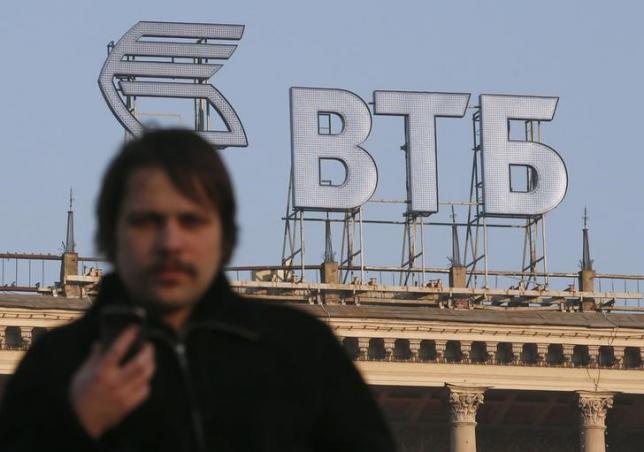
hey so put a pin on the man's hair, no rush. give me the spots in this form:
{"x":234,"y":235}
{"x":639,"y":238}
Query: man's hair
{"x":192,"y":165}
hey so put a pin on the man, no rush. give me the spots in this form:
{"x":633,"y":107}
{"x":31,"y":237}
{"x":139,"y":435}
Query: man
{"x":217,"y":372}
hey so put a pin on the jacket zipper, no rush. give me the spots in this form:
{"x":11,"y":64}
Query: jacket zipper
{"x":178,"y":346}
{"x":195,"y":415}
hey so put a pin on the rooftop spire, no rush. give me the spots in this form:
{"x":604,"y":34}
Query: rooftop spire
{"x":456,"y":254}
{"x":586,"y":261}
{"x":70,"y":245}
{"x":329,"y":255}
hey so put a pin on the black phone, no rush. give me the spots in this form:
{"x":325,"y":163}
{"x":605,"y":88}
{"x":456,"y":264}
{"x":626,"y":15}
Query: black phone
{"x":115,"y":319}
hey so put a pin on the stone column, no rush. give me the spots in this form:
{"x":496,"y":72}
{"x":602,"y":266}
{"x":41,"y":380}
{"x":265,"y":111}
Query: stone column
{"x":587,"y":284}
{"x":593,"y":353}
{"x":542,"y":354}
{"x":592,"y":409}
{"x":463,"y":404}
{"x":490,"y":348}
{"x":466,"y":351}
{"x":457,"y":276}
{"x":440,"y":350}
{"x":568,"y":350}
{"x":25,"y":333}
{"x":3,"y":336}
{"x":329,"y":272}
{"x":414,"y":347}
{"x":618,"y":352}
{"x":390,"y":343}
{"x":517,"y":351}
{"x":363,"y":346}
{"x":69,"y":267}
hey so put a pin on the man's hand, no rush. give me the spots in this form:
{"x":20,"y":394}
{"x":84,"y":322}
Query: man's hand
{"x":102,"y":392}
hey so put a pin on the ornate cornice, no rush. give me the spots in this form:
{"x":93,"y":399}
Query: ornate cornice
{"x":501,"y":332}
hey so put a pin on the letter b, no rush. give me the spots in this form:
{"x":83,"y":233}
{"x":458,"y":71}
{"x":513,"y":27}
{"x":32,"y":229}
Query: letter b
{"x":309,"y":147}
{"x":549,"y":176}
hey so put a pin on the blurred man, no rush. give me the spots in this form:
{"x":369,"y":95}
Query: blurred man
{"x":216,"y":372}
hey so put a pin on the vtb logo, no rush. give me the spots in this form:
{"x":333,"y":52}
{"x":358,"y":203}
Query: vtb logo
{"x":155,"y":51}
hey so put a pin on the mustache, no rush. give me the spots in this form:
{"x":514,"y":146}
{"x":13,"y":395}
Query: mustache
{"x":171,"y":264}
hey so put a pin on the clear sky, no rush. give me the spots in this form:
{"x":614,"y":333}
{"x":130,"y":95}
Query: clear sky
{"x":57,"y":132}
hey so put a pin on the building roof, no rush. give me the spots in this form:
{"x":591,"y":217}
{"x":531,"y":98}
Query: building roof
{"x":419,"y":313}
{"x":43,"y":302}
{"x":555,"y":318}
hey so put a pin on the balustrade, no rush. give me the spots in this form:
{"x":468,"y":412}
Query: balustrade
{"x":489,"y":352}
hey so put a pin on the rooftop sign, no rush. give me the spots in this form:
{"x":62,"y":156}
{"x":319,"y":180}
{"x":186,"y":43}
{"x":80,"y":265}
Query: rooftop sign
{"x":139,"y":54}
{"x":174,"y":60}
{"x":548,"y":179}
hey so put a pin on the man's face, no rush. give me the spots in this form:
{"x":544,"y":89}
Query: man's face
{"x":168,"y":247}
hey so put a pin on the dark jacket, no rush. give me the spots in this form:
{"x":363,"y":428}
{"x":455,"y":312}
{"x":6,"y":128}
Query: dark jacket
{"x":245,"y":376}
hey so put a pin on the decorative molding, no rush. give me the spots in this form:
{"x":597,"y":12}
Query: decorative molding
{"x":575,"y":335}
{"x":508,"y":377}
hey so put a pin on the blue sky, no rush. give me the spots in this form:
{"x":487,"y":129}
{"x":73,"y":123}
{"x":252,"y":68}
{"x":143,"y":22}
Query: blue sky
{"x":58,"y":132}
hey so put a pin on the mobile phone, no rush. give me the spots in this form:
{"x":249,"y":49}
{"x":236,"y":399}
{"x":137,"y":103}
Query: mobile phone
{"x":114,"y":320}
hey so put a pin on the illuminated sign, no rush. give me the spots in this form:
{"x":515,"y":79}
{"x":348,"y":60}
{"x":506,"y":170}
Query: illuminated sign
{"x":310,"y":147}
{"x":180,"y":55}
{"x":184,"y":53}
{"x":548,"y":179}
{"x":420,"y":111}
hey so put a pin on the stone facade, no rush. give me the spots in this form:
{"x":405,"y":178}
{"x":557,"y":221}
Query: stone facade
{"x":463,"y":381}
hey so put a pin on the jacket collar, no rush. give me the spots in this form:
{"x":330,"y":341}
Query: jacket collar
{"x":212,"y":312}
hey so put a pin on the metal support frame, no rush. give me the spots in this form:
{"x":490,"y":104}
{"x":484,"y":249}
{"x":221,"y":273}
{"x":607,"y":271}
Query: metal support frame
{"x":293,"y":242}
{"x":534,"y":243}
{"x":413,"y":246}
{"x":476,"y":222}
{"x":201,"y":106}
{"x":352,"y":254}
{"x":348,"y":250}
{"x":130,"y":101}
{"x":413,"y":250}
{"x":535,"y":230}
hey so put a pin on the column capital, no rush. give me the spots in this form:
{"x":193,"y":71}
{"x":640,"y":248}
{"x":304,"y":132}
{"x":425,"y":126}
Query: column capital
{"x":464,"y":402}
{"x":363,"y":346}
{"x":490,"y":348}
{"x":568,"y":351}
{"x":618,"y":353}
{"x":593,"y":353}
{"x":26,"y":334}
{"x":517,"y":351}
{"x":441,"y":345}
{"x":466,"y":351}
{"x":414,"y":348}
{"x":542,"y":354}
{"x":593,"y":407}
{"x":390,"y":343}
